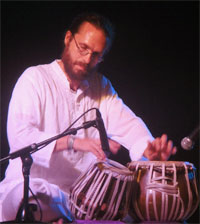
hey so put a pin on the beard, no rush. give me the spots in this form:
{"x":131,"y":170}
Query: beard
{"x":69,"y":66}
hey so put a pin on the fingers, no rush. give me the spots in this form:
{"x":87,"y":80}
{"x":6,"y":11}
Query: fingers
{"x":90,"y":145}
{"x":174,"y":150}
{"x":160,"y":149}
{"x":114,"y":146}
{"x":151,"y":152}
{"x":163,"y":140}
{"x":168,"y":149}
{"x":155,"y":146}
{"x":97,"y":150}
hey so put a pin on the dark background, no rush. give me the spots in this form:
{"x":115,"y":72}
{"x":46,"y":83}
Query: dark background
{"x":153,"y":64}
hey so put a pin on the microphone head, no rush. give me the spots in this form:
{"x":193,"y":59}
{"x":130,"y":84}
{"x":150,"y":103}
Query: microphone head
{"x":187,"y":143}
{"x":98,"y":114}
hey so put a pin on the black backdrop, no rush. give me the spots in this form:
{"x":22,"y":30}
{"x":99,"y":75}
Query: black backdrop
{"x":153,"y":64}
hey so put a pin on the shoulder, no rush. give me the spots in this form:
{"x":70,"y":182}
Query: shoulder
{"x":98,"y":80}
{"x":37,"y":70}
{"x":35,"y":74}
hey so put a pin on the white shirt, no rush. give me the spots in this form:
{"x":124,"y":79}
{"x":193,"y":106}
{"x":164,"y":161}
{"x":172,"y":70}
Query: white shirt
{"x":43,"y":105}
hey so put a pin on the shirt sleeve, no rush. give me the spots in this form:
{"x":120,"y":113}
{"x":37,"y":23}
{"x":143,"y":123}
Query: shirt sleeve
{"x":25,"y":121}
{"x":123,"y":125}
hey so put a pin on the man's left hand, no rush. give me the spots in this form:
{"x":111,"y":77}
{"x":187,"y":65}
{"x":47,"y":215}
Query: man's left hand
{"x":160,"y":149}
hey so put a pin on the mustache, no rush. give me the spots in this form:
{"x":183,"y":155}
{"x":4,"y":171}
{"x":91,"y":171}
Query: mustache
{"x":82,"y":64}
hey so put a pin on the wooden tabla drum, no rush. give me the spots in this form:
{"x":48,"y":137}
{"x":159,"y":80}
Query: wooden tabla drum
{"x":163,"y":191}
{"x":102,"y":192}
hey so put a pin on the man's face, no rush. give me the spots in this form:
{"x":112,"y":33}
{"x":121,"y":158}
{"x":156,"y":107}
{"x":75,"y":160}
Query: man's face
{"x":88,"y":39}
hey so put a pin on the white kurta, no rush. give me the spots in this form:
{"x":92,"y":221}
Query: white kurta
{"x":43,"y":105}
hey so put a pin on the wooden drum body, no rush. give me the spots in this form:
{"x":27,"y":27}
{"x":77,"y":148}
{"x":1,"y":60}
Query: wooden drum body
{"x":102,"y":192}
{"x":163,"y":191}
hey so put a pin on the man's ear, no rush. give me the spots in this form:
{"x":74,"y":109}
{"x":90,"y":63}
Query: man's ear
{"x":68,"y":36}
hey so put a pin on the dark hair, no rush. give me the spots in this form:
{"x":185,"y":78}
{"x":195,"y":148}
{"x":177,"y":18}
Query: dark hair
{"x":98,"y":21}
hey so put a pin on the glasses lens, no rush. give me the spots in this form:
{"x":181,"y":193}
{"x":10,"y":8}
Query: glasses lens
{"x":84,"y":52}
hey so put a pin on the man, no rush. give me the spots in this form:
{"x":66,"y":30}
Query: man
{"x":47,"y":99}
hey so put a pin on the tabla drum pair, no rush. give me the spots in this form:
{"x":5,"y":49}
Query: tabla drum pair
{"x":148,"y":191}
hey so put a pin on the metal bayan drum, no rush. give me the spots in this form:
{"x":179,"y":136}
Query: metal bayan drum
{"x":163,"y":191}
{"x":102,"y":192}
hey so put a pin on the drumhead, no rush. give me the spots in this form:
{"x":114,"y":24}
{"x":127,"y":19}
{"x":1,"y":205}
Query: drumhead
{"x":160,"y":163}
{"x":111,"y":165}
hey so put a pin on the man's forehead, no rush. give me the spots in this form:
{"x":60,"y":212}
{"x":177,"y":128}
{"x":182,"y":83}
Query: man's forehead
{"x":92,"y":36}
{"x":89,"y":27}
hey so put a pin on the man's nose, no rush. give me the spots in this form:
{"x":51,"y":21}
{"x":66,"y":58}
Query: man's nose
{"x":88,"y":58}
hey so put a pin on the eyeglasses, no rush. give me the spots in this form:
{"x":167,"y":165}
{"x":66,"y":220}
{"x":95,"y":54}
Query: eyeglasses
{"x":85,"y":51}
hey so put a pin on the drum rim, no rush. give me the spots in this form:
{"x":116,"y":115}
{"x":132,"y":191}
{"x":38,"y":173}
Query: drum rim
{"x":114,"y":166}
{"x":159,"y":163}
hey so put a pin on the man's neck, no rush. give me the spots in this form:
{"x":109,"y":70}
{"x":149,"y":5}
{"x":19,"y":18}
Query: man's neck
{"x":74,"y":84}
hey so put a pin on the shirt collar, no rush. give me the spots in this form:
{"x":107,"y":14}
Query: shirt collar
{"x":84,"y":84}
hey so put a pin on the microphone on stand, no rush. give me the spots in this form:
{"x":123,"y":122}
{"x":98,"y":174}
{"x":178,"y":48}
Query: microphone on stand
{"x":102,"y":133}
{"x":188,"y":142}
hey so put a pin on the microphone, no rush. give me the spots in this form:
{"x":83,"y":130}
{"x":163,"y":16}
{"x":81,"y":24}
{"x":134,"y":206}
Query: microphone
{"x":187,"y":143}
{"x":102,"y":133}
{"x":88,"y":124}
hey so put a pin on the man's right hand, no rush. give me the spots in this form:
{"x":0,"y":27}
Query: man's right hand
{"x":90,"y":145}
{"x":83,"y":145}
{"x":87,"y":145}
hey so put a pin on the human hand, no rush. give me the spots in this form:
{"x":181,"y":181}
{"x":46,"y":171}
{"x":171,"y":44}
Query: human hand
{"x":94,"y":146}
{"x":89,"y":145}
{"x":160,"y":149}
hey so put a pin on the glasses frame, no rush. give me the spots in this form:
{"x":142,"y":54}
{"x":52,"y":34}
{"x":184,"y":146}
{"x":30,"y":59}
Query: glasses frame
{"x":85,"y":52}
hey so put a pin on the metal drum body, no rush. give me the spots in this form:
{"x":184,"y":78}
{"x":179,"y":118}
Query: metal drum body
{"x":102,"y":192}
{"x":163,"y":191}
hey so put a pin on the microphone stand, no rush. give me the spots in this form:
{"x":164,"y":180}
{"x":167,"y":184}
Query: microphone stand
{"x":25,"y":212}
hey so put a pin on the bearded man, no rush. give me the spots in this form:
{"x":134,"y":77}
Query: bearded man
{"x":49,"y":98}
